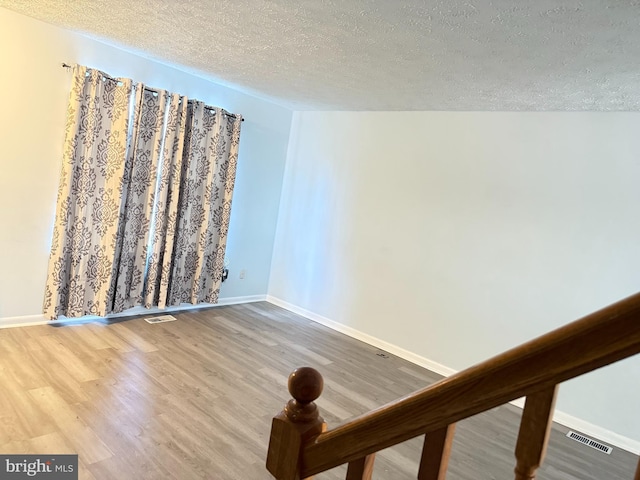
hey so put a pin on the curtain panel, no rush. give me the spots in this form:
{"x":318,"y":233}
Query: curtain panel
{"x":211,"y":150}
{"x":144,"y":200}
{"x":150,"y":198}
{"x":89,"y":196}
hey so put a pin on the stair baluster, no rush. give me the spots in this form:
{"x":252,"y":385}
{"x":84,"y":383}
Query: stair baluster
{"x":435,"y":453}
{"x":534,"y":432}
{"x":361,"y":469}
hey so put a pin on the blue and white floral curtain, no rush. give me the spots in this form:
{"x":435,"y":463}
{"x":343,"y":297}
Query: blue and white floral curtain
{"x":144,"y":199}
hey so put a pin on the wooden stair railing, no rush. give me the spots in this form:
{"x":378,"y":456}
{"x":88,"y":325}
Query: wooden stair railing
{"x":300,"y":447}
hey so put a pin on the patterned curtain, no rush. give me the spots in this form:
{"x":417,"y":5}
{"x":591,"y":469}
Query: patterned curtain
{"x":84,"y":236}
{"x":209,"y":171}
{"x":144,"y":199}
{"x":151,"y":184}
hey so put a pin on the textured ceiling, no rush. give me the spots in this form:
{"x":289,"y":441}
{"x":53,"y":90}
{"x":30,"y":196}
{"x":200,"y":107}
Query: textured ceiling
{"x":383,"y":54}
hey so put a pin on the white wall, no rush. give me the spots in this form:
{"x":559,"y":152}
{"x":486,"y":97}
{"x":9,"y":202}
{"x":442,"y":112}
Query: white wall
{"x":34,"y":90}
{"x":452,"y":235}
{"x":459,"y":235}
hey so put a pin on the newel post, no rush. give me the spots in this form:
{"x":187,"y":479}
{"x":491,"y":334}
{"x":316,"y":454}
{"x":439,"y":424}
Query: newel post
{"x":297,"y":423}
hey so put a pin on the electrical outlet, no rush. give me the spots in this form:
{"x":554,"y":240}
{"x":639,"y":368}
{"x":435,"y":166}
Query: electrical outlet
{"x":243,"y":273}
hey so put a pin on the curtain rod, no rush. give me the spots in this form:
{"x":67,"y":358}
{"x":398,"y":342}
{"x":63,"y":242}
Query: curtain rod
{"x":232,"y":115}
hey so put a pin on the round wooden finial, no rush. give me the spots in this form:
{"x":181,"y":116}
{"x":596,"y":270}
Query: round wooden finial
{"x":305,"y":384}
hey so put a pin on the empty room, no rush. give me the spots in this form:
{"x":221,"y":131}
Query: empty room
{"x":368,"y":239}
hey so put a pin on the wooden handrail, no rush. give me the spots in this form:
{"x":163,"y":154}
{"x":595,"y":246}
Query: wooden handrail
{"x":599,"y":339}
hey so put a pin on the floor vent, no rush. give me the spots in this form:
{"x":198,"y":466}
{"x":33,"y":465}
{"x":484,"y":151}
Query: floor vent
{"x":161,"y":319}
{"x":589,"y":442}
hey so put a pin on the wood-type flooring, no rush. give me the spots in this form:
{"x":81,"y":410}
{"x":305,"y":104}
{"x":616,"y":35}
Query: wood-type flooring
{"x":193,"y":399}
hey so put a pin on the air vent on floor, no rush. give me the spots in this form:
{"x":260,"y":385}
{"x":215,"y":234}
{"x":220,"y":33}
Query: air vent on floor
{"x":161,"y":319}
{"x":589,"y":442}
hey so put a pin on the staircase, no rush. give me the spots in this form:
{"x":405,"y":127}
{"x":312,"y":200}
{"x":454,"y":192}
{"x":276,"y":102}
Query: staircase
{"x":300,"y":446}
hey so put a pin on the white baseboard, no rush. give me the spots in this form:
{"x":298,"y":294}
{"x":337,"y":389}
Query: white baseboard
{"x":30,"y":320}
{"x":10,"y":322}
{"x":562,"y":418}
{"x":239,"y":300}
{"x":358,"y":335}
